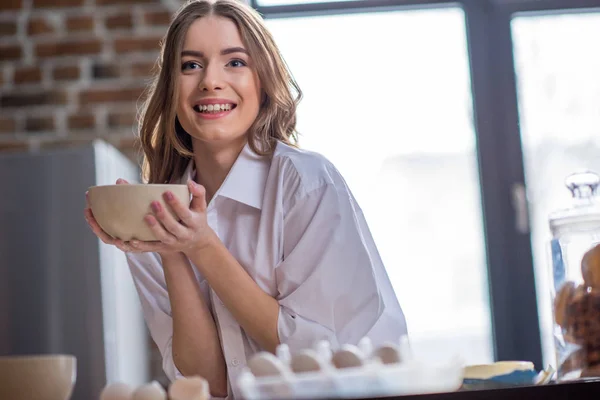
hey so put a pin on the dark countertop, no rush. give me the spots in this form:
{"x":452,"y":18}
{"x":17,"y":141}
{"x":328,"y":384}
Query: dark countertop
{"x":576,"y":390}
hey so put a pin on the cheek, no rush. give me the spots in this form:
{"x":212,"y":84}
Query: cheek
{"x":252,"y":106}
{"x":256,"y":100}
{"x":252,"y":90}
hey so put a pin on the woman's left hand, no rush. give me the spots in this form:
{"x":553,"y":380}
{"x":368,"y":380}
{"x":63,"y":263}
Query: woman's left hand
{"x":190,"y":233}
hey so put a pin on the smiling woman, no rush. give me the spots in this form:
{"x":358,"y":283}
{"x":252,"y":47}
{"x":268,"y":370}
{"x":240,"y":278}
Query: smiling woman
{"x":273,"y":248}
{"x":222,"y":66}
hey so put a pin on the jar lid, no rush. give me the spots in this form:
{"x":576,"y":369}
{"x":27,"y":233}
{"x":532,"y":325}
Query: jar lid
{"x":584,"y":213}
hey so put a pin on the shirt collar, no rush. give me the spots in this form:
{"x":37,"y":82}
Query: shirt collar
{"x":246,"y":180}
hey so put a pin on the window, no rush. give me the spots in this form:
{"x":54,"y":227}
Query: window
{"x":422,"y":114}
{"x":559,"y":101}
{"x":390,"y":105}
{"x":263,"y":3}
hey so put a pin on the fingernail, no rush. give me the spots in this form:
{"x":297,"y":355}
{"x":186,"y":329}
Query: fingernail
{"x":169,"y":196}
{"x":155,"y":207}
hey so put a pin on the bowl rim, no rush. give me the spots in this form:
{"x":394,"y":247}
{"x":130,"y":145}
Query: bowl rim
{"x":37,"y":357}
{"x":132,"y":185}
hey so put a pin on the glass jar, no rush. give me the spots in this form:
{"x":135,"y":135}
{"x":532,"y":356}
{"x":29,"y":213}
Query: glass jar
{"x":575,"y":250}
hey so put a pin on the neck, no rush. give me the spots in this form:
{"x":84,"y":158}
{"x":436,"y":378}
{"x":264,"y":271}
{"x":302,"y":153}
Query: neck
{"x":213,"y":162}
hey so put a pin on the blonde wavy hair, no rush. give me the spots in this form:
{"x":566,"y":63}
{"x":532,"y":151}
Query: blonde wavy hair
{"x":166,"y":147}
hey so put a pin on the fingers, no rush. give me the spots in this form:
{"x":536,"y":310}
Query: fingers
{"x":142,"y":246}
{"x":198,"y":196}
{"x":182,"y":211}
{"x":98,"y":231}
{"x":122,"y":181}
{"x":123,"y":246}
{"x":168,"y":222}
{"x":96,"y":228}
{"x":159,"y":231}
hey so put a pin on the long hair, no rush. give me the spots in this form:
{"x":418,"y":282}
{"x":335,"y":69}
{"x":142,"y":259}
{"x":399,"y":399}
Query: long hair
{"x":167,"y":148}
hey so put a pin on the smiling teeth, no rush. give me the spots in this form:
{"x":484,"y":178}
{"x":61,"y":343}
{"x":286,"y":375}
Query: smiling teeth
{"x":213,"y":107}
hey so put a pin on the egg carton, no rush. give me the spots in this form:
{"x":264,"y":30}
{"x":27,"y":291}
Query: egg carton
{"x":349,"y":372}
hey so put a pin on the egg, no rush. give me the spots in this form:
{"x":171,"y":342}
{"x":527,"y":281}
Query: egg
{"x":349,"y":356}
{"x":266,"y":364}
{"x":116,"y":391}
{"x":150,"y":391}
{"x":389,"y":353}
{"x":307,"y":361}
{"x":189,"y":388}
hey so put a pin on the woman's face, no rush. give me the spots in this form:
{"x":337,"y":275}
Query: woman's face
{"x":219,"y":89}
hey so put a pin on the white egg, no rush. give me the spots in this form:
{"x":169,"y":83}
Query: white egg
{"x":116,"y":391}
{"x":192,"y":388}
{"x":150,"y":391}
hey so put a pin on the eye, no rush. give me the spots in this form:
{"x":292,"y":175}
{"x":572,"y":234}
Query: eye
{"x":236,"y":63}
{"x":189,"y":65}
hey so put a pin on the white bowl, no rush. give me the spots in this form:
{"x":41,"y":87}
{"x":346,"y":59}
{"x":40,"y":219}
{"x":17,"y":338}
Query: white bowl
{"x":120,"y":209}
{"x":40,"y":377}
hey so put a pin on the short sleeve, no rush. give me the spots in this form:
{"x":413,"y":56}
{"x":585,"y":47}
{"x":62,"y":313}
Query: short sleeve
{"x":327,"y":286}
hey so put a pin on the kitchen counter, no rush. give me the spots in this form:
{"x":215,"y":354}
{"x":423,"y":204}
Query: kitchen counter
{"x":573,"y":390}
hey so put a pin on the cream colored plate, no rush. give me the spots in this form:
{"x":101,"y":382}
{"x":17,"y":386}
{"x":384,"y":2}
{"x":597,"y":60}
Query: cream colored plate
{"x":487,"y":371}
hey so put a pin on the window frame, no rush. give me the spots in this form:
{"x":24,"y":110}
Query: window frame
{"x":510,"y":267}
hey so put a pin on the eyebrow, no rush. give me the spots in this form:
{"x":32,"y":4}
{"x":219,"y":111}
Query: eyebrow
{"x":224,"y":52}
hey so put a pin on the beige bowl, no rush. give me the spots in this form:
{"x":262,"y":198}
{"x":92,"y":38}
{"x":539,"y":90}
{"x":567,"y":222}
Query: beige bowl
{"x":120,"y":209}
{"x":39,"y":377}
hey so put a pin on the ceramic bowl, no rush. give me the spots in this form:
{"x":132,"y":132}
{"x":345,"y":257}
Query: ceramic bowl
{"x":40,"y":377}
{"x":120,"y":209}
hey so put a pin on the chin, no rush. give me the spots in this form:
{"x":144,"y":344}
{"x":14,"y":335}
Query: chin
{"x":217,"y":136}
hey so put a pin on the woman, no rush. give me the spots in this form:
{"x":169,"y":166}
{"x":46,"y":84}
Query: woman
{"x":273,"y":248}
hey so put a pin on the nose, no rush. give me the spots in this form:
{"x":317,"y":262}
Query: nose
{"x":212,"y":79}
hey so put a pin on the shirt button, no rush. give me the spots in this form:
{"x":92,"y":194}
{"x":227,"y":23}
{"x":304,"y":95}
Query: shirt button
{"x":235,"y":362}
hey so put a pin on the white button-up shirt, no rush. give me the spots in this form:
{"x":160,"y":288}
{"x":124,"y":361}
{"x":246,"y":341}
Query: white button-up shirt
{"x":292,"y":223}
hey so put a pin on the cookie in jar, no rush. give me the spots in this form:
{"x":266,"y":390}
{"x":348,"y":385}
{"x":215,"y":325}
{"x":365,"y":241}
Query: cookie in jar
{"x":575,"y":274}
{"x":577,"y":312}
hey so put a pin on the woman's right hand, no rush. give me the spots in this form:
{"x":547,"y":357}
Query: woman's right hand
{"x":98,"y":231}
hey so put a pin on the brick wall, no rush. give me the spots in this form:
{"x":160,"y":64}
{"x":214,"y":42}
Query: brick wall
{"x":73,"y":70}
